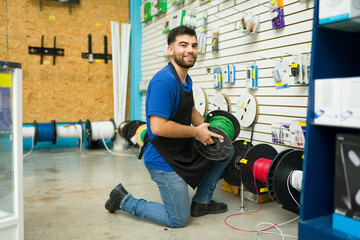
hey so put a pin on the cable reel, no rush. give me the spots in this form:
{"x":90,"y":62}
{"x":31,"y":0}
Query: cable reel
{"x":97,"y":130}
{"x":232,"y":173}
{"x":220,"y":101}
{"x":45,"y":132}
{"x":264,"y":151}
{"x":129,"y":131}
{"x":140,"y":135}
{"x":224,"y":124}
{"x":249,"y":110}
{"x":200,"y":99}
{"x":272,"y":171}
{"x":290,"y":162}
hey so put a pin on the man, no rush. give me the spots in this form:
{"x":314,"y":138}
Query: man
{"x":170,"y":156}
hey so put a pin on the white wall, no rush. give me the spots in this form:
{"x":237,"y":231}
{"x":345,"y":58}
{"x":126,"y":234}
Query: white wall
{"x":275,"y":106}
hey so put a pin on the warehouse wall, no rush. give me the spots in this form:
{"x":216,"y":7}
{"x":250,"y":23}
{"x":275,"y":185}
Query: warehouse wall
{"x":265,"y":48}
{"x":72,"y":89}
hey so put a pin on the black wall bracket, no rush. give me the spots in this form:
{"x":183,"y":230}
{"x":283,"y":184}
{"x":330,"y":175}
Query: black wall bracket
{"x":46,"y":51}
{"x":63,"y":1}
{"x":91,"y":56}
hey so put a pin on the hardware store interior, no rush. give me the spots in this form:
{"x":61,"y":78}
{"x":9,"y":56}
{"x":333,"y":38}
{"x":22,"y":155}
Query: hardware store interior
{"x":269,"y":147}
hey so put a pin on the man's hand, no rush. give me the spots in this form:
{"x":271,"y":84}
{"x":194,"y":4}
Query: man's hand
{"x":203,"y":134}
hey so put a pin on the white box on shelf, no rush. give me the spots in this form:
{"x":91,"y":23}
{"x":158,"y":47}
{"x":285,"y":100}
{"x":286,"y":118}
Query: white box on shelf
{"x":338,"y":10}
{"x":350,"y":102}
{"x":327,"y":105}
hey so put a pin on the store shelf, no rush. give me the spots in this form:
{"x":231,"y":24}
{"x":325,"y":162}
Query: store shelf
{"x":351,"y":25}
{"x":335,"y":54}
{"x":321,"y":228}
{"x":335,"y":126}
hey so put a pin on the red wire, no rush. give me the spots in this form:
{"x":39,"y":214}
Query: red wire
{"x":260,"y":170}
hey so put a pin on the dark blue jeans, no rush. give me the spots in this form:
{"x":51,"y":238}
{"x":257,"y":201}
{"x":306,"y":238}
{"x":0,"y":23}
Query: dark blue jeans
{"x":175,"y":210}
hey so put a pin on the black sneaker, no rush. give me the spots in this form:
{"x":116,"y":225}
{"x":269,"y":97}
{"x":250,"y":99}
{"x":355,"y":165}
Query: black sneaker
{"x":116,"y":196}
{"x":199,"y":209}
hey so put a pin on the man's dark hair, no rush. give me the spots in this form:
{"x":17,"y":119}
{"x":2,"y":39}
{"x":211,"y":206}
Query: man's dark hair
{"x":181,"y":30}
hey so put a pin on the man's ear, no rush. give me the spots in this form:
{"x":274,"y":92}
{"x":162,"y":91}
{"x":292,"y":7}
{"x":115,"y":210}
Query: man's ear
{"x":170,"y":50}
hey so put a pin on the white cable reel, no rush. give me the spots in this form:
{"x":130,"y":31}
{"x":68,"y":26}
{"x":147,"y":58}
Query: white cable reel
{"x":248,"y":112}
{"x":220,"y":101}
{"x":200,"y":100}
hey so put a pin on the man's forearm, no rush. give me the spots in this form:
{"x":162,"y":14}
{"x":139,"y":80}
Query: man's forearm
{"x":196,"y":118}
{"x":167,"y":128}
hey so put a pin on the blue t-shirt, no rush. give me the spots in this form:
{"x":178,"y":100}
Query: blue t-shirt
{"x":162,"y":99}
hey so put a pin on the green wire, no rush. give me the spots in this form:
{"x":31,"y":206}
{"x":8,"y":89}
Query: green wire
{"x":223,"y":123}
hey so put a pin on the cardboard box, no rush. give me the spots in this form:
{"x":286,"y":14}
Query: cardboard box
{"x":247,"y":195}
{"x":230,"y":188}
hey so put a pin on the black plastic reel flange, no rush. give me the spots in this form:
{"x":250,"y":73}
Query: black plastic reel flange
{"x":232,"y":173}
{"x":88,"y":130}
{"x":218,"y":151}
{"x":53,"y":141}
{"x":247,"y":176}
{"x":228,"y":115}
{"x":270,"y":175}
{"x":36,"y":137}
{"x":113,"y":122}
{"x":121,"y":128}
{"x":289,"y":162}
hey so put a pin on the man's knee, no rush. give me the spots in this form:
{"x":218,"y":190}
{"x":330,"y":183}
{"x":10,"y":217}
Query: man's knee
{"x":180,"y":221}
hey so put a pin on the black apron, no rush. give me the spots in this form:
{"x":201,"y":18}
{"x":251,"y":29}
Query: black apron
{"x":180,"y":153}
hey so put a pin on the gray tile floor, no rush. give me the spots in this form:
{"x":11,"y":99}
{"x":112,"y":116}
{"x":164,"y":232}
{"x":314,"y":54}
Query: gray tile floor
{"x":65,"y":192}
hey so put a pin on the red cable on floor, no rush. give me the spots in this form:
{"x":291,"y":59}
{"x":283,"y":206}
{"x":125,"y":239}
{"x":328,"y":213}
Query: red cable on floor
{"x":248,"y":213}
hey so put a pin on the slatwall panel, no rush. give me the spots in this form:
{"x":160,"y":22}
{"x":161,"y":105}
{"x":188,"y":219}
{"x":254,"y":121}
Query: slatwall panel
{"x":265,"y":48}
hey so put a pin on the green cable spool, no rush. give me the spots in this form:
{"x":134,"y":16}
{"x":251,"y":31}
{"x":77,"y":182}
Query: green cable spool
{"x":223,"y":123}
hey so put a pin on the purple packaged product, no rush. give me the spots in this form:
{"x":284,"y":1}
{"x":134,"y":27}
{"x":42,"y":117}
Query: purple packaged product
{"x":278,"y":21}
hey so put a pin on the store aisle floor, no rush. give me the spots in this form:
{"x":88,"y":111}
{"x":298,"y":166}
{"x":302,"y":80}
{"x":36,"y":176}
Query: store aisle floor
{"x":65,"y":192}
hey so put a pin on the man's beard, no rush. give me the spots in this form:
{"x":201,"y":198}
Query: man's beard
{"x":182,"y":63}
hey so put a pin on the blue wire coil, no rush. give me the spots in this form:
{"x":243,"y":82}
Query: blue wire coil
{"x":45,"y":132}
